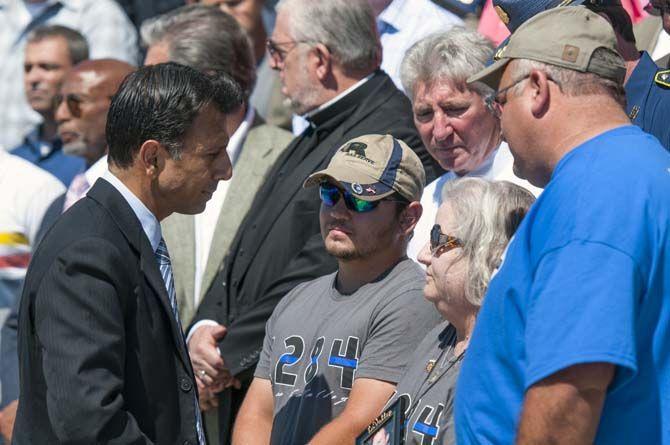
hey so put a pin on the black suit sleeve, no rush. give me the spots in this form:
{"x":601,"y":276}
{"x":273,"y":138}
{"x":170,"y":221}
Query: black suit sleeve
{"x":79,"y":321}
{"x":242,"y":344}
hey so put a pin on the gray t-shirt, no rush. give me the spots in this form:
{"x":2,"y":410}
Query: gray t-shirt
{"x":428,"y":387}
{"x":319,"y":341}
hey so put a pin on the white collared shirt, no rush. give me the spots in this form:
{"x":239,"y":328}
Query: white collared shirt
{"x":205,"y":222}
{"x":148,"y":220}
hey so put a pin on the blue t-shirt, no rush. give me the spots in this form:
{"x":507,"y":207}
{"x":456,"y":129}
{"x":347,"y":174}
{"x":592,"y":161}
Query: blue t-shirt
{"x":586,"y":279}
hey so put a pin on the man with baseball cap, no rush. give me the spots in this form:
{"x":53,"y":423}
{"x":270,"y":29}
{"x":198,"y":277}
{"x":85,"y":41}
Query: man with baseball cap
{"x":647,"y":87}
{"x":336,"y":346}
{"x":572,"y":344}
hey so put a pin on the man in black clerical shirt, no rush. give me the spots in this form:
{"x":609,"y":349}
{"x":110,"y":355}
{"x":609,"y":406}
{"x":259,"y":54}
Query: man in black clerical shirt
{"x":328,"y":56}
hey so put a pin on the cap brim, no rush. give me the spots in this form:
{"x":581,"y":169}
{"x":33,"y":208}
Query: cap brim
{"x":490,"y":75}
{"x":381,"y":192}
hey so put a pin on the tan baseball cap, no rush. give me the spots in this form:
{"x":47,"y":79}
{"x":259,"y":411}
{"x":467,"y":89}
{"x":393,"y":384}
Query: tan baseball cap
{"x":565,"y":36}
{"x":374,"y":166}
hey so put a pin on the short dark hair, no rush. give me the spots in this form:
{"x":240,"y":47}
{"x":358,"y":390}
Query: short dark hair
{"x":207,"y":39}
{"x":618,"y":17}
{"x":76,"y":42}
{"x":161,"y":102}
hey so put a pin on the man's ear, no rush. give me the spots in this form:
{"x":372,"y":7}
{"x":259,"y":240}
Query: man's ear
{"x":323,"y":60}
{"x":410,"y":217}
{"x":151,"y":157}
{"x":541,"y":93}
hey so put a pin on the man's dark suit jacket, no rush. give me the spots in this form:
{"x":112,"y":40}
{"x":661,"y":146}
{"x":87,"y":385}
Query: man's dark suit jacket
{"x":279,"y":244}
{"x":102,"y":359}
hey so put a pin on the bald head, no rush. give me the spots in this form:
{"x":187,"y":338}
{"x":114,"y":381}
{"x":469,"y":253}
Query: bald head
{"x":81,"y":115}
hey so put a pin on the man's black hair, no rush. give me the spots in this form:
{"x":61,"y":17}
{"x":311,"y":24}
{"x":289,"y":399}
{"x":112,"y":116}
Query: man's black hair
{"x":161,"y":102}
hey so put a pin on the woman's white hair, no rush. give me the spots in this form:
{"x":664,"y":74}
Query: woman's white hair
{"x":486,"y":213}
{"x":346,"y":27}
{"x":454,"y":55}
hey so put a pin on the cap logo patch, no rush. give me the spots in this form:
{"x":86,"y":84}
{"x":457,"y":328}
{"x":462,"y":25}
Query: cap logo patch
{"x":504,"y":17}
{"x":570,"y":53}
{"x":357,"y":188}
{"x":357,"y":150}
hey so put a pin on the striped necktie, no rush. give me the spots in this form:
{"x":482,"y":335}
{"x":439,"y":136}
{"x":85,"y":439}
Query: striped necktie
{"x":165,"y":266}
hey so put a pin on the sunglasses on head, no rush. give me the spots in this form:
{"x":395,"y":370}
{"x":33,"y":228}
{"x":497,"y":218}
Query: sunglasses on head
{"x":439,"y":240}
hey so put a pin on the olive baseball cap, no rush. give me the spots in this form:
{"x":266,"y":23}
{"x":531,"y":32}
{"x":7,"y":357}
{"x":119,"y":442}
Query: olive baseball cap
{"x":564,"y":36}
{"x":374,"y":166}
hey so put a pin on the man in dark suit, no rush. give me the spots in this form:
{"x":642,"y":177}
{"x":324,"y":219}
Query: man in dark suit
{"x":101,"y":353}
{"x":328,"y":56}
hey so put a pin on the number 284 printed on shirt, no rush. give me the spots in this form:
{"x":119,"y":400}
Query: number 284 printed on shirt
{"x":344,"y":357}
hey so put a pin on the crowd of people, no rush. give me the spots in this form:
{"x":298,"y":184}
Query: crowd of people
{"x":335,"y":222}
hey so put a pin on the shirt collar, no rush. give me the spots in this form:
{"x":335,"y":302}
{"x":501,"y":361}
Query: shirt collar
{"x":310,"y":114}
{"x":390,"y":20}
{"x":147,"y":219}
{"x":238,"y":137}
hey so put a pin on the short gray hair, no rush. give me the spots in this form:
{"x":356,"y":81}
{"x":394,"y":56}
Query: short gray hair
{"x":76,"y":43}
{"x":487,"y":214}
{"x":346,"y":27}
{"x":575,"y":83}
{"x":454,"y":55}
{"x":207,"y":39}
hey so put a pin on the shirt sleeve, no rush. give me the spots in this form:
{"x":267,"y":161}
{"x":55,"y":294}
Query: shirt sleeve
{"x":265,"y":360}
{"x":583,"y":303}
{"x":395,"y":332}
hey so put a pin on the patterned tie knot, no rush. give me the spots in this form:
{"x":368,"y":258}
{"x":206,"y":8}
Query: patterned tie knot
{"x":162,"y":253}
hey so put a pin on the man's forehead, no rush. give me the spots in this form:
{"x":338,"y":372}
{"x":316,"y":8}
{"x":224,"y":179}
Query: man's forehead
{"x":85,"y":82}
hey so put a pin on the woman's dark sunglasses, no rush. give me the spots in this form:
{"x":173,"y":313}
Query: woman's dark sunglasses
{"x":439,"y":240}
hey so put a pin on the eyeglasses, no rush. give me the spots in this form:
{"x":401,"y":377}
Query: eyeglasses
{"x":330,"y":194}
{"x":439,"y":240}
{"x":494,"y":100}
{"x":277,"y":53}
{"x":73,"y":102}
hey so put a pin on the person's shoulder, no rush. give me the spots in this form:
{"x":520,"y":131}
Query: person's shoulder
{"x":29,"y":178}
{"x":404,"y":280}
{"x":308,"y":290}
{"x":270,"y":134}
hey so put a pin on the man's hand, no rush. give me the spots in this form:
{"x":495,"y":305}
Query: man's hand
{"x":210,"y":370}
{"x":7,"y":418}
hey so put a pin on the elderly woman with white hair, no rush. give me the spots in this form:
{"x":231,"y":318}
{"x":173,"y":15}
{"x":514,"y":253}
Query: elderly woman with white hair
{"x":471,"y":230}
{"x":460,"y":131}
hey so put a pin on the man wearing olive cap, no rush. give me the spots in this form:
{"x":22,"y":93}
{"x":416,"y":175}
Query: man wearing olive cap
{"x":647,"y":87}
{"x":336,"y":346}
{"x":572,"y":344}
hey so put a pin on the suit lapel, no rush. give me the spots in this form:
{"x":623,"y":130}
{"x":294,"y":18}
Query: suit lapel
{"x":124,"y":217}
